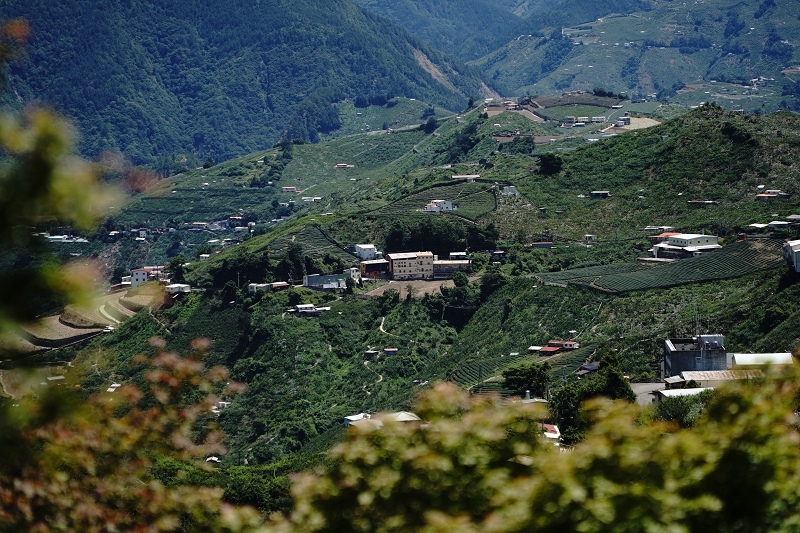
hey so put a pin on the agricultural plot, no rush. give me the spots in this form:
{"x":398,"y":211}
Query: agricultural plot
{"x":315,"y":244}
{"x":588,"y":275}
{"x":472,"y":199}
{"x":738,"y":259}
{"x":190,"y":205}
{"x":474,"y":372}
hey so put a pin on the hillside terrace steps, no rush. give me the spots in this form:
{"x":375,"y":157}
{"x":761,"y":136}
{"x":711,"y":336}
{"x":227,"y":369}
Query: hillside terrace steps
{"x":118,"y":311}
{"x":50,"y":332}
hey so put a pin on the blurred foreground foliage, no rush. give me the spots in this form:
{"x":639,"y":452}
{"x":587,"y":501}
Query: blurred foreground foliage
{"x":88,"y":465}
{"x":40,"y":181}
{"x":481,"y":466}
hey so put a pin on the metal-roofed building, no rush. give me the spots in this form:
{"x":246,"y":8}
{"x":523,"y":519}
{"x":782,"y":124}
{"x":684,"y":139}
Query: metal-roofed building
{"x":744,"y":360}
{"x":716,"y":378}
{"x":701,"y":353}
{"x":685,"y":245}
{"x":674,"y":393}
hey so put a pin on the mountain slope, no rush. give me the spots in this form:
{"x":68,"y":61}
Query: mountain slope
{"x":660,"y":50}
{"x":469,"y":29}
{"x":151,"y":78}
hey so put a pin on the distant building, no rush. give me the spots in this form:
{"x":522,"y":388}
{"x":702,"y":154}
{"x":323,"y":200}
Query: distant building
{"x":469,"y":178}
{"x":365,"y":252}
{"x":597,"y":195}
{"x":374,"y":269}
{"x":140,"y":276}
{"x":510,"y":190}
{"x":443,"y":269}
{"x":701,"y":353}
{"x":176,"y":288}
{"x":791,"y":252}
{"x":756,"y":360}
{"x":331,"y":281}
{"x":685,"y":245}
{"x":662,"y":237}
{"x":411,"y":265}
{"x":555,"y":346}
{"x":438,"y":206}
{"x":711,"y":378}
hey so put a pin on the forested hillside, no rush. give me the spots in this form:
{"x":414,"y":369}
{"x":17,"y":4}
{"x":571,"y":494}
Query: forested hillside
{"x":473,"y":28}
{"x":185,"y":80}
{"x":659,"y":47}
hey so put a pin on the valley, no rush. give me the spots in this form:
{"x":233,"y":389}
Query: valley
{"x":349,"y":222}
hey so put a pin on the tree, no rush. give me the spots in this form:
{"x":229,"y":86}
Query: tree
{"x":460,"y":279}
{"x":550,"y":164}
{"x":72,"y":463}
{"x":530,"y":377}
{"x":77,"y":465}
{"x":479,"y":465}
{"x":176,"y":269}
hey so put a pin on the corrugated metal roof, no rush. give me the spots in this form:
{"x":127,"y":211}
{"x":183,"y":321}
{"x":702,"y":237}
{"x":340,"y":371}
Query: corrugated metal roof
{"x":721,"y":375}
{"x":671,"y":393}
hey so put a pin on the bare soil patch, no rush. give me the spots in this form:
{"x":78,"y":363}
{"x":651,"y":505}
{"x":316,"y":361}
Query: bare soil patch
{"x":419,"y":287}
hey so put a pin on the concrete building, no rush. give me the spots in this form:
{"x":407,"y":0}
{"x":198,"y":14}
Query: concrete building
{"x":374,"y":269}
{"x":791,"y":252}
{"x":365,"y":252}
{"x":443,"y":269}
{"x":330,"y":281}
{"x":685,"y":245}
{"x":139,"y":276}
{"x":411,"y":265}
{"x":701,"y":353}
{"x":438,"y":206}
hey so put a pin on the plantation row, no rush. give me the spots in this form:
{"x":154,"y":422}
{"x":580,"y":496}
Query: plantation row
{"x":473,"y":200}
{"x":589,"y":274}
{"x":476,"y":371}
{"x":733,"y":261}
{"x":314,"y":244}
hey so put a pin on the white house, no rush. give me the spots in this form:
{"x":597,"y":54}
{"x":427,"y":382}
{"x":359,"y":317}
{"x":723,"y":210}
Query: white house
{"x":366,"y":252}
{"x":686,"y":245}
{"x":437,"y":206}
{"x":139,"y":276}
{"x":175,"y":288}
{"x":791,"y":252}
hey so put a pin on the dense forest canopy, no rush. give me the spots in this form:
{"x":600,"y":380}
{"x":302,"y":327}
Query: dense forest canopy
{"x":155,"y":78}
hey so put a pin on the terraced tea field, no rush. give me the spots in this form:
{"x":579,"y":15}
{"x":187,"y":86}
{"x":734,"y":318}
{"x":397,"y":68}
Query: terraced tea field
{"x":733,"y":261}
{"x":315,"y":244}
{"x":473,"y":201}
{"x":589,"y":275}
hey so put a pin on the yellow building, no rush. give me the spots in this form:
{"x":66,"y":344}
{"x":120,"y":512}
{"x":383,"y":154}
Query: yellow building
{"x":411,"y":265}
